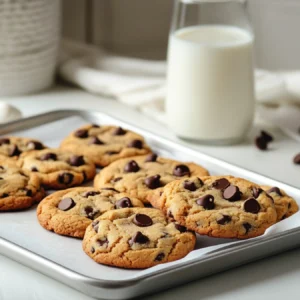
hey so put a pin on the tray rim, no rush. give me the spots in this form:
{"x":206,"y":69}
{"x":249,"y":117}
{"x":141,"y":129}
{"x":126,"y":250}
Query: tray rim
{"x":55,"y":115}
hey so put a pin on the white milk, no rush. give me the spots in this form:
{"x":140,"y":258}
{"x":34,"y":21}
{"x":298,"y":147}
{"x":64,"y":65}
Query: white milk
{"x":210,"y":83}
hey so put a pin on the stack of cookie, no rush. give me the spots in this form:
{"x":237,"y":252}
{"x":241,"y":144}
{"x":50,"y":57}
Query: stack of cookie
{"x":143,"y":209}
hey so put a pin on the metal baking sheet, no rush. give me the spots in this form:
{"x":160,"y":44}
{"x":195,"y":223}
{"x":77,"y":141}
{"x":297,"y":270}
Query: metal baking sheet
{"x":24,"y":240}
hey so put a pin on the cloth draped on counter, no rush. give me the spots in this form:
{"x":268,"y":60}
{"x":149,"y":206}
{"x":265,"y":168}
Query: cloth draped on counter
{"x":142,"y":84}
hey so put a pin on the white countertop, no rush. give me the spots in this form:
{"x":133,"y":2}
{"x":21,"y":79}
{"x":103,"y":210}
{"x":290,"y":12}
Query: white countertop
{"x":272,"y":278}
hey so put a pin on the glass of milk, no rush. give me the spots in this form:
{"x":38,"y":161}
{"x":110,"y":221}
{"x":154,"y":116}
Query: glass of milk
{"x":210,"y":91}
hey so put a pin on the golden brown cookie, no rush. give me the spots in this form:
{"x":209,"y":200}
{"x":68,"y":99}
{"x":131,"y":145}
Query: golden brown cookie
{"x":219,"y":206}
{"x":105,"y":144}
{"x":145,"y":176}
{"x":56,"y":168}
{"x":12,"y":146}
{"x":70,"y":211}
{"x":17,"y":190}
{"x":136,"y":238}
{"x":284,"y":204}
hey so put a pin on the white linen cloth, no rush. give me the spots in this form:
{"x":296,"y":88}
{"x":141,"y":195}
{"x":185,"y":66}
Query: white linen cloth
{"x":141,"y":84}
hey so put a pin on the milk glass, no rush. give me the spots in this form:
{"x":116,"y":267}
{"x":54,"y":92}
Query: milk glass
{"x":210,"y":91}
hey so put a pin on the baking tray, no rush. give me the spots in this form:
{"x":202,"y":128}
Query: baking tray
{"x":24,"y":240}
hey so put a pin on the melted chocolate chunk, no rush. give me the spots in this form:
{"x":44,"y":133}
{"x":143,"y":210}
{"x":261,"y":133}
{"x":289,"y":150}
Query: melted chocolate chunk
{"x":102,"y":242}
{"x":181,"y":170}
{"x":95,"y":225}
{"x":34,"y":145}
{"x":180,"y":228}
{"x":160,"y":257}
{"x":247,"y":227}
{"x":90,"y":212}
{"x":14,"y":151}
{"x":131,"y":167}
{"x":65,"y":178}
{"x":95,"y":141}
{"x":124,"y":202}
{"x":190,"y":186}
{"x":4,"y":141}
{"x":206,"y":201}
{"x":142,"y":220}
{"x":76,"y":161}
{"x":221,"y":184}
{"x":109,"y":189}
{"x":256,"y":192}
{"x":139,"y":238}
{"x":151,"y":157}
{"x":66,"y":204}
{"x":275,"y":190}
{"x":119,"y":131}
{"x":232,"y":193}
{"x":34,"y":169}
{"x":153,"y":182}
{"x":4,"y":195}
{"x":81,"y":133}
{"x":138,"y":144}
{"x":252,"y":206}
{"x":28,"y":192}
{"x":224,"y":220}
{"x":48,"y":156}
{"x":90,"y":193}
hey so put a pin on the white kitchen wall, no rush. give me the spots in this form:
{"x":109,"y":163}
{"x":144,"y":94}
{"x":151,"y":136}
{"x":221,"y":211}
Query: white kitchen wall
{"x":140,"y":28}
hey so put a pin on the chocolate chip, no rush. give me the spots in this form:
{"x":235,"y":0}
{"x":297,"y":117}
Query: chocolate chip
{"x":206,"y":201}
{"x":28,"y":192}
{"x":95,"y":225}
{"x":112,"y":152}
{"x":261,"y":143}
{"x":289,"y":206}
{"x":102,"y":242}
{"x":148,"y":205}
{"x":221,"y":184}
{"x":116,"y":179}
{"x":14,"y":151}
{"x":49,"y":156}
{"x":151,"y":157}
{"x":170,"y":215}
{"x":34,"y":145}
{"x":4,"y":141}
{"x":4,"y":195}
{"x":266,"y":136}
{"x":136,"y":144}
{"x":95,"y":141}
{"x":153,"y":182}
{"x":65,"y":178}
{"x":160,"y":257}
{"x":81,"y":133}
{"x":90,"y":212}
{"x":247,"y":227}
{"x":109,"y":189}
{"x":296,"y":159}
{"x":124,"y":202}
{"x":190,"y":186}
{"x":232,"y":193}
{"x":76,"y":161}
{"x":181,"y":170}
{"x":139,"y":238}
{"x":256,"y":192}
{"x":142,"y":220}
{"x":92,"y":250}
{"x":119,"y":131}
{"x":95,"y":126}
{"x":131,"y":167}
{"x":224,"y":220}
{"x":275,"y":190}
{"x":66,"y":204}
{"x":252,"y":206}
{"x":180,"y":228}
{"x":1,"y":178}
{"x":90,"y":193}
{"x":34,"y":169}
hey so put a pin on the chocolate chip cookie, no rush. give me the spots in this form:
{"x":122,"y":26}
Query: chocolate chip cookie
{"x":136,"y":238}
{"x":56,"y":168}
{"x":17,"y":190}
{"x":70,"y":211}
{"x":105,"y":144}
{"x":145,"y":176}
{"x":219,"y":206}
{"x":284,"y":204}
{"x":12,"y":146}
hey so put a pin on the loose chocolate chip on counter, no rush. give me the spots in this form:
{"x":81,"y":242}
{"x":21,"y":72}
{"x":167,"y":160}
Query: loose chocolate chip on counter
{"x":14,"y":151}
{"x":66,"y":204}
{"x":224,"y":220}
{"x":116,"y":179}
{"x":232,"y":193}
{"x":275,"y":190}
{"x":4,"y":141}
{"x":206,"y":201}
{"x":256,"y":192}
{"x":190,"y":186}
{"x":267,"y":136}
{"x":90,"y":212}
{"x":65,"y":178}
{"x":34,"y":145}
{"x":95,"y":225}
{"x":48,"y":156}
{"x":76,"y":161}
{"x":124,"y":202}
{"x":221,"y":184}
{"x":180,"y":228}
{"x":142,"y":220}
{"x":296,"y":159}
{"x":151,"y":157}
{"x":131,"y":167}
{"x":261,"y":143}
{"x":34,"y":169}
{"x":102,"y":242}
{"x":112,"y":152}
{"x":92,"y":250}
{"x":95,"y":141}
{"x":136,"y":144}
{"x":181,"y":170}
{"x":109,"y":189}
{"x":119,"y":131}
{"x":160,"y":257}
{"x":153,"y":182}
{"x":139,"y":238}
{"x":90,"y":193}
{"x":252,"y":206}
{"x":81,"y":133}
{"x":247,"y":227}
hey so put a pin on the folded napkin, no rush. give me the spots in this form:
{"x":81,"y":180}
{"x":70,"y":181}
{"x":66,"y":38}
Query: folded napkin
{"x":141,"y":84}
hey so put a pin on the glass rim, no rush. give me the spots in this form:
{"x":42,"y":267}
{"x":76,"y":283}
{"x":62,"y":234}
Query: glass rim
{"x":209,"y":1}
